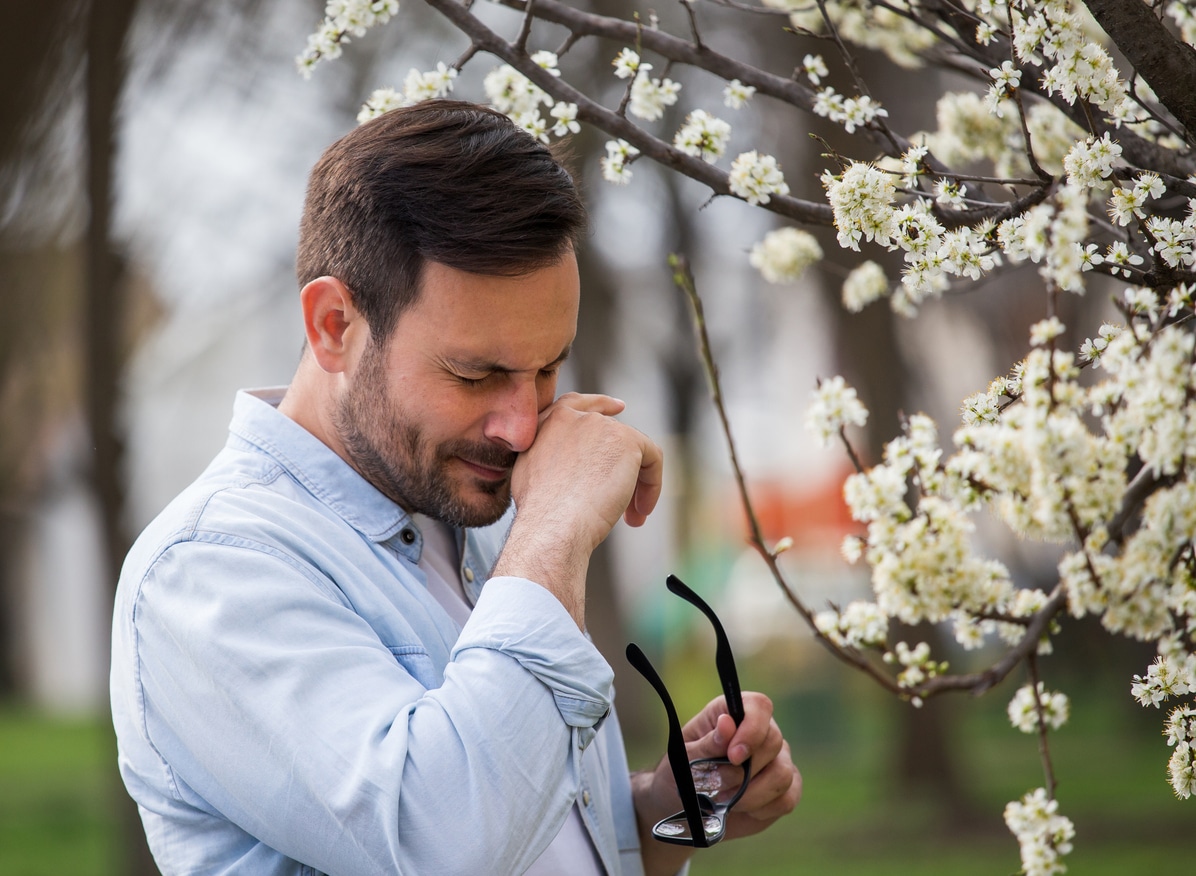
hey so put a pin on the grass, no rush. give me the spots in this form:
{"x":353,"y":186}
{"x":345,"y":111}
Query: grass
{"x":57,"y":795}
{"x":58,"y":788}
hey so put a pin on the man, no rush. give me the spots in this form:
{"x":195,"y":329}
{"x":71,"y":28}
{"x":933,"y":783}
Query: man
{"x":308,"y":674}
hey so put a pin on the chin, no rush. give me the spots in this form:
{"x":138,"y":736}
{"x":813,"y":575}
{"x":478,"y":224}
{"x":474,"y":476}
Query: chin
{"x":477,"y":510}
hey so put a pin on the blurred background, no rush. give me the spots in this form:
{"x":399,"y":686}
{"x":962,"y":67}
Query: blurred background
{"x":153,"y":157}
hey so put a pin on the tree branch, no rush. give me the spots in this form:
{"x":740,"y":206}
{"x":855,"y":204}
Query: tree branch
{"x":594,"y":113}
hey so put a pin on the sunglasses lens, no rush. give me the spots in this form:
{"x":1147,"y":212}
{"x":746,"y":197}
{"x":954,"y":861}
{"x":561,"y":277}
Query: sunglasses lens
{"x":675,"y":828}
{"x":718,"y":779}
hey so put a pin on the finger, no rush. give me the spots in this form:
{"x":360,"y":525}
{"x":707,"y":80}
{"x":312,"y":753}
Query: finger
{"x":772,"y":795}
{"x":758,"y":735}
{"x":590,"y":402}
{"x":774,"y":791}
{"x":713,"y":743}
{"x":649,"y":485}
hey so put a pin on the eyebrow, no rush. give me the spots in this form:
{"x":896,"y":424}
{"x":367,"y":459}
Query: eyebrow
{"x":484,"y":365}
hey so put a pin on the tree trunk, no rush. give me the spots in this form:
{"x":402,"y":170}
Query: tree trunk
{"x":105,"y":328}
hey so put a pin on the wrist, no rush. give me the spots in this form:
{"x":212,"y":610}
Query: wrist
{"x":554,"y":560}
{"x":660,"y":859}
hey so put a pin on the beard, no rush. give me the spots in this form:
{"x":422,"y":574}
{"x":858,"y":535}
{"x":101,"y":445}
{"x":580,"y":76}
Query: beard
{"x":392,"y":453}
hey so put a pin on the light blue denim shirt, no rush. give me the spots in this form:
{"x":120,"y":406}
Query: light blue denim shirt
{"x":289,"y":698}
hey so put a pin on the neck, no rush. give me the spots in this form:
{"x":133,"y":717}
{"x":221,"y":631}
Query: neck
{"x":311,"y":402}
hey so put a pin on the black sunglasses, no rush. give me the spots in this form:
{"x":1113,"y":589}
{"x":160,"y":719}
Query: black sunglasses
{"x":710,"y":786}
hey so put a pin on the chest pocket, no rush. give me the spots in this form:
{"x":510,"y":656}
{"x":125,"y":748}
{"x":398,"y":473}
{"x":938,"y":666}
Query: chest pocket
{"x":419,"y":665}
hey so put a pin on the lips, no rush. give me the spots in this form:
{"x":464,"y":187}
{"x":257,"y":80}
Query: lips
{"x":487,"y":472}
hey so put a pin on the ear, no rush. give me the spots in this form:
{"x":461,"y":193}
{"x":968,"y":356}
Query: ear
{"x":335,"y":329}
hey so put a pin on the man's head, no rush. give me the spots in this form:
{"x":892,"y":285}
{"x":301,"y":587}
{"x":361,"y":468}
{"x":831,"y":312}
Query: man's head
{"x":440,"y":298}
{"x":442,"y":181}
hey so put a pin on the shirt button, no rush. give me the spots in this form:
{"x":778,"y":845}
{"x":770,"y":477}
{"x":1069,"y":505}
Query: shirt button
{"x":585,"y":798}
{"x":468,"y":574}
{"x":408,"y":536}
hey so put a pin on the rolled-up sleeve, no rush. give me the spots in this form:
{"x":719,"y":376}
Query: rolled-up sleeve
{"x":524,"y":621}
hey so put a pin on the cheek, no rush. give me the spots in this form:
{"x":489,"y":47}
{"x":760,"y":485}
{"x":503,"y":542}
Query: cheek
{"x":457,"y":414}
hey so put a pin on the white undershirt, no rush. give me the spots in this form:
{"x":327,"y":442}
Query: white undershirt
{"x":572,"y":853}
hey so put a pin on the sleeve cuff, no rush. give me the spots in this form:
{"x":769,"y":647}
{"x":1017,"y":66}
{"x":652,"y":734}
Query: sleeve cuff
{"x":526,"y":622}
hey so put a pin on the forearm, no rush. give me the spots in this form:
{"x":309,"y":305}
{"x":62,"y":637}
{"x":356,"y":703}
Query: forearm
{"x":543,"y":551}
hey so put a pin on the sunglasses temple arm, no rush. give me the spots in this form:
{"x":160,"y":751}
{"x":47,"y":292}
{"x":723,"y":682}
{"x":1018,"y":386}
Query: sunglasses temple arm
{"x":722,"y":654}
{"x":678,"y":756}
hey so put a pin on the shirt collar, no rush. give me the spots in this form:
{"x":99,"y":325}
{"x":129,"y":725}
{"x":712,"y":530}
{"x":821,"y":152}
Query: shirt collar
{"x":257,"y":420}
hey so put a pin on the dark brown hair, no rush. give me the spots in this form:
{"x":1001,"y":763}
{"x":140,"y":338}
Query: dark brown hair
{"x":441,"y":181}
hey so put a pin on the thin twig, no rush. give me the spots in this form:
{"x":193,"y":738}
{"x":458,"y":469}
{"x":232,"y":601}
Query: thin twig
{"x":1044,"y":748}
{"x":693,"y":23}
{"x":525,"y":29}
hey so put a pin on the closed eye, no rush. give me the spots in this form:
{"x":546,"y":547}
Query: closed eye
{"x":472,"y":381}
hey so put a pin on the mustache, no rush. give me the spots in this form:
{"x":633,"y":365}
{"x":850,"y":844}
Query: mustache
{"x":489,"y":455}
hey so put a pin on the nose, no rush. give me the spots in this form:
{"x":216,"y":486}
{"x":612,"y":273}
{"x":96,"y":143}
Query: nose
{"x":516,"y":417}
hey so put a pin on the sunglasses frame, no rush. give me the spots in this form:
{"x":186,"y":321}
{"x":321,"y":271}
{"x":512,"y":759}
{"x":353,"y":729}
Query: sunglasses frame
{"x":697,"y":807}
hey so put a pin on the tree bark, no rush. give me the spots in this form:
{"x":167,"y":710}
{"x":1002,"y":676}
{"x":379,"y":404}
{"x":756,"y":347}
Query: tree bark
{"x":1166,"y":63}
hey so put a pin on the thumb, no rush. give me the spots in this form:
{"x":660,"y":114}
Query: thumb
{"x":714,"y":743}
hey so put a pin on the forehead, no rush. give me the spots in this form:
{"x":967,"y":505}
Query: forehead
{"x":513,"y":322}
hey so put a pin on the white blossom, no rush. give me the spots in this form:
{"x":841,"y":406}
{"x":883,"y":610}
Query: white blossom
{"x":1045,"y":331}
{"x":418,"y":86}
{"x":756,"y":178}
{"x":948,"y":193}
{"x":380,"y":101}
{"x":1181,"y":769}
{"x":650,"y":97}
{"x":815,"y":68}
{"x":861,"y":624}
{"x":532,"y":122}
{"x":1119,"y":254}
{"x":1164,"y":679}
{"x":547,"y":60}
{"x":1174,"y":240}
{"x":566,"y":118}
{"x":1005,"y":81}
{"x":703,"y":136}
{"x":866,"y":283}
{"x":343,"y":19}
{"x":1092,"y":348}
{"x":1090,"y":162}
{"x":619,"y":154}
{"x":851,"y":112}
{"x":911,"y":165}
{"x":510,"y":92}
{"x":916,"y":664}
{"x":1043,"y":835}
{"x":627,"y":64}
{"x":784,"y":254}
{"x":834,"y":406}
{"x":1023,"y":712}
{"x":736,"y":95}
{"x":862,"y":202}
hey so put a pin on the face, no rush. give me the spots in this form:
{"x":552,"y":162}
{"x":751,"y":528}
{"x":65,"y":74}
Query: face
{"x":436,"y":416}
